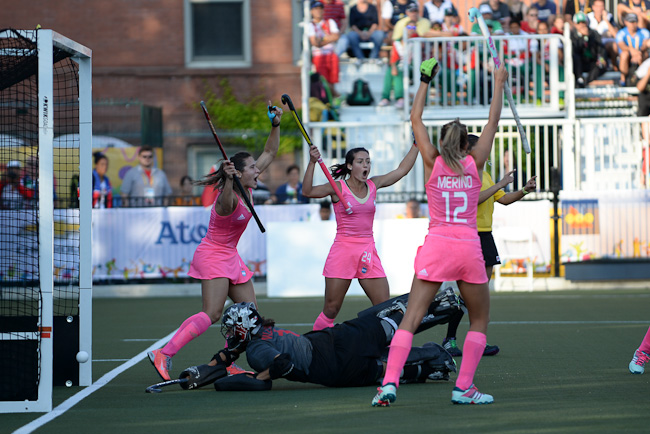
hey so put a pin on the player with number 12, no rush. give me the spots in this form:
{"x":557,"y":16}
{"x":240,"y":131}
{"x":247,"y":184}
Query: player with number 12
{"x":452,"y":248}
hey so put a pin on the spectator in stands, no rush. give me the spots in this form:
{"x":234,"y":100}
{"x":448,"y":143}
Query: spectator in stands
{"x":543,"y":60}
{"x":29,"y":180}
{"x":450,"y":27}
{"x":516,"y":54}
{"x":393,"y":80}
{"x":434,"y":10}
{"x":325,"y":211}
{"x":413,"y":209}
{"x":603,"y":22}
{"x":323,"y":35}
{"x":547,"y":10}
{"x":291,"y":191}
{"x":639,"y":7}
{"x":391,"y":12}
{"x":13,"y":194}
{"x":571,"y":7}
{"x":500,"y":12}
{"x":364,"y":27}
{"x":494,"y":26}
{"x":102,"y":189}
{"x":632,"y":43}
{"x":517,"y":9}
{"x":145,"y":181}
{"x":588,"y":51}
{"x":532,"y":19}
{"x":186,"y":196}
{"x":558,"y":26}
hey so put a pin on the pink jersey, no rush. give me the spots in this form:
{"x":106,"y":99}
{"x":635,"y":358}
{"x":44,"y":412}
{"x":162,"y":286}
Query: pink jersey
{"x":359,"y":223}
{"x":453,"y":198}
{"x":227,"y":230}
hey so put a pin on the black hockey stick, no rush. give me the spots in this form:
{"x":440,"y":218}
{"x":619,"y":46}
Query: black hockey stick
{"x":244,"y":193}
{"x":156,"y":388}
{"x":286,"y":99}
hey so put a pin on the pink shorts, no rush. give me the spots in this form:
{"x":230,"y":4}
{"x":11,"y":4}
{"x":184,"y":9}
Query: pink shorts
{"x":353,"y":258}
{"x":213,"y":260}
{"x":446,"y":257}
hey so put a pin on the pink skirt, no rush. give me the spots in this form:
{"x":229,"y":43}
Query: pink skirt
{"x":451,"y":256}
{"x":353,"y":258}
{"x":213,"y":260}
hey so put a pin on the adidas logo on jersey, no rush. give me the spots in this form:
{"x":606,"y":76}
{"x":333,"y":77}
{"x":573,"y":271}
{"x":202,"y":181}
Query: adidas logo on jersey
{"x":241,"y":217}
{"x":423,"y":272}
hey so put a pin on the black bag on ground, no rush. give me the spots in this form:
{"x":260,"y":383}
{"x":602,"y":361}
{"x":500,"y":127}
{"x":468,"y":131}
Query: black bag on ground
{"x":360,"y":94}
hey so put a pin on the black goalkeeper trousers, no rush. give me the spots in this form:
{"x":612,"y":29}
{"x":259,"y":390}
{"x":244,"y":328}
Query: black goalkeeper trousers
{"x":347,"y":354}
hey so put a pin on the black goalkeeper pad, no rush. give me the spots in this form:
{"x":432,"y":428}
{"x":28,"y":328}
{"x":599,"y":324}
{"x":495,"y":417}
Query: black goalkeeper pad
{"x":430,"y":353}
{"x":241,"y":383}
{"x":443,"y":307}
{"x":199,"y":376}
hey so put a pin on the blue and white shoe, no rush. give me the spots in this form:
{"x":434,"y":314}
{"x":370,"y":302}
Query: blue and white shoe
{"x":470,"y":396}
{"x":385,"y":395}
{"x":640,"y":358}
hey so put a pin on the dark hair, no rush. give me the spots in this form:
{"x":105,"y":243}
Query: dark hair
{"x":453,"y":138}
{"x":293,"y":167}
{"x":145,"y":149}
{"x":217,"y":178}
{"x":517,"y":21}
{"x":98,"y":156}
{"x":341,"y":170}
{"x":184,"y":178}
{"x":326,"y":204}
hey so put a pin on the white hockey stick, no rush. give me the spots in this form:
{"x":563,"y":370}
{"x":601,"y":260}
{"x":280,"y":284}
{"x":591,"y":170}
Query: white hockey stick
{"x":475,"y":15}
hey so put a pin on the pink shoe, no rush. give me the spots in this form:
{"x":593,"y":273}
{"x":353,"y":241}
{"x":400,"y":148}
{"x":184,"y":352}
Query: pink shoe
{"x":235,"y":369}
{"x":162,"y":363}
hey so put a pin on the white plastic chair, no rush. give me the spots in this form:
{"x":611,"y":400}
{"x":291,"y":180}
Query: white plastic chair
{"x":514,"y":242}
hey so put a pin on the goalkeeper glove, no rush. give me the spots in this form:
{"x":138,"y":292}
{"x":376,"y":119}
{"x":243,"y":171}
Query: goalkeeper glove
{"x":428,"y":70}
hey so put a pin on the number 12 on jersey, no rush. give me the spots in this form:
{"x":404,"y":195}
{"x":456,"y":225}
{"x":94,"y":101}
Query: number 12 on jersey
{"x":458,"y":209}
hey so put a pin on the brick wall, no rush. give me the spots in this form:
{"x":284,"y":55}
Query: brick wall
{"x":139,"y":54}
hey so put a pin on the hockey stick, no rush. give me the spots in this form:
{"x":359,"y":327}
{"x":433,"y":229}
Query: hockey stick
{"x":244,"y":193}
{"x":286,"y":99}
{"x":156,"y":388}
{"x":475,"y":15}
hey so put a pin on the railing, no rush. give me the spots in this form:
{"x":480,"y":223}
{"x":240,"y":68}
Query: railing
{"x":463,"y":87}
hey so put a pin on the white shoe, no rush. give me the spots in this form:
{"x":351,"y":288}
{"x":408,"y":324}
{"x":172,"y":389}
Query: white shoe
{"x":383,"y":103}
{"x":637,"y":365}
{"x":385,"y":395}
{"x":470,"y":396}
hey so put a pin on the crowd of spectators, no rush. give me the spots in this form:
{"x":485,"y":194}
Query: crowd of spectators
{"x":371,"y":31}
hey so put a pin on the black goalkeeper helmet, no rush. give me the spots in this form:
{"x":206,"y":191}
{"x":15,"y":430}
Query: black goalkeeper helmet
{"x":239,"y":323}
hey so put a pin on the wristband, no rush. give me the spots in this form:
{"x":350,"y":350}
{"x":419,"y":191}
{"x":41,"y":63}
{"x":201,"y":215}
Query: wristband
{"x":524,"y":192}
{"x":425,"y":78}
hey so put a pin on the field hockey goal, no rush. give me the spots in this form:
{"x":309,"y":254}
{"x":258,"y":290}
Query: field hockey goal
{"x":45,"y":217}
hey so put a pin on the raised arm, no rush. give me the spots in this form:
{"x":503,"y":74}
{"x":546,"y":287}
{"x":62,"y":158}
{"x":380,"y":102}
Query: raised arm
{"x":514,"y":196}
{"x":307,"y":183}
{"x":428,"y":70}
{"x":404,"y":167}
{"x":273,"y":141}
{"x":227,"y":200}
{"x":489,"y":192}
{"x":481,"y":151}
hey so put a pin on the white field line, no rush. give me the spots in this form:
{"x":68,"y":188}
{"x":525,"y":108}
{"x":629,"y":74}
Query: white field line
{"x":104,"y":380}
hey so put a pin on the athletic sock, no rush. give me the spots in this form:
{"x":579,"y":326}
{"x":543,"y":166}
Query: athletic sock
{"x":454,"y":322}
{"x":399,"y":351}
{"x":645,"y":345}
{"x":192,"y":327}
{"x":472,"y":351}
{"x":323,"y":322}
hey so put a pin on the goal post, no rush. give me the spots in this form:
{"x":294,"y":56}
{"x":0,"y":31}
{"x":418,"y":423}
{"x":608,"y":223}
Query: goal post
{"x":45,"y":221}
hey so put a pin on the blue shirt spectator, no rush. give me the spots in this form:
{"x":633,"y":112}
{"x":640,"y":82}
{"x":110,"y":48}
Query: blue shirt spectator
{"x":547,"y":10}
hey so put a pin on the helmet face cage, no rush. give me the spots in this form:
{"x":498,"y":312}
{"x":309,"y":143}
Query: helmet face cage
{"x":240,"y":321}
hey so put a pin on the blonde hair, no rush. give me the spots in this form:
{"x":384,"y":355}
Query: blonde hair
{"x":453,"y":143}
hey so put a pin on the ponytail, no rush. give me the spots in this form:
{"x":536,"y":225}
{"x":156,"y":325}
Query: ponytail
{"x":453,"y":138}
{"x":341,"y":170}
{"x":218,"y":177}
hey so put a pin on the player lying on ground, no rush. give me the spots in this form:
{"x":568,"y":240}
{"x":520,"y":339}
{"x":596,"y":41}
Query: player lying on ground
{"x":349,"y":354}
